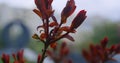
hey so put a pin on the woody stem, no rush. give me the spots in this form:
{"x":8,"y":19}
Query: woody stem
{"x":43,"y":54}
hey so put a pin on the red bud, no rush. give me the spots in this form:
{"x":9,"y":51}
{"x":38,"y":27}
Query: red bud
{"x":78,"y":19}
{"x":39,"y":58}
{"x":5,"y":58}
{"x":68,"y":10}
{"x":104,"y":42}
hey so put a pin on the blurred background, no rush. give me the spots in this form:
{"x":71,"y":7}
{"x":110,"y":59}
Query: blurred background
{"x":18,"y":23}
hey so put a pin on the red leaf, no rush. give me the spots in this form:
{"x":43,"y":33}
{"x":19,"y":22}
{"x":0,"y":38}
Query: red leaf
{"x":113,"y":48}
{"x":54,"y":18}
{"x":41,"y":5}
{"x":64,"y":51}
{"x":69,"y":37}
{"x":101,"y":54}
{"x":64,"y":44}
{"x":14,"y":56}
{"x":65,"y":28}
{"x":117,"y":50}
{"x":50,"y":2}
{"x":67,"y":61}
{"x":87,"y":56}
{"x":37,"y":12}
{"x":16,"y":61}
{"x":20,"y":55}
{"x":93,"y":50}
{"x":53,"y":24}
{"x":49,"y":12}
{"x":39,"y":58}
{"x":5,"y":58}
{"x":104,"y":42}
{"x":50,"y":53}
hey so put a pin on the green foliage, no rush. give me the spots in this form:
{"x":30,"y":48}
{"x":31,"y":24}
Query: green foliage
{"x":104,"y":29}
{"x":36,"y":46}
{"x":1,"y":43}
{"x":111,"y":30}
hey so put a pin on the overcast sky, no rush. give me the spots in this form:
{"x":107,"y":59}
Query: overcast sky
{"x":107,"y":8}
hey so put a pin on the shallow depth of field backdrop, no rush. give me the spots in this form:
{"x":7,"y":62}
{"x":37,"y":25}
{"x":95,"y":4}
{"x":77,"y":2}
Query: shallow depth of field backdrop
{"x":18,"y":23}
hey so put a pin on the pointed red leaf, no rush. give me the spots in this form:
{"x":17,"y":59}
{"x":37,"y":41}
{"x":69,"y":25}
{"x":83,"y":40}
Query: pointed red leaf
{"x":69,"y":37}
{"x":65,"y":28}
{"x":104,"y":42}
{"x":64,"y":51}
{"x":37,"y":12}
{"x":112,"y":49}
{"x":39,"y":58}
{"x":53,"y":24}
{"x":93,"y":50}
{"x":64,"y":44}
{"x":5,"y":58}
{"x":86,"y":55}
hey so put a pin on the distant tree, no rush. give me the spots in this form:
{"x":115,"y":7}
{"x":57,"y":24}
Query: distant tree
{"x":111,"y":30}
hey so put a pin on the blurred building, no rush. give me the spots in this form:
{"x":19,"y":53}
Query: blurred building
{"x":8,"y":14}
